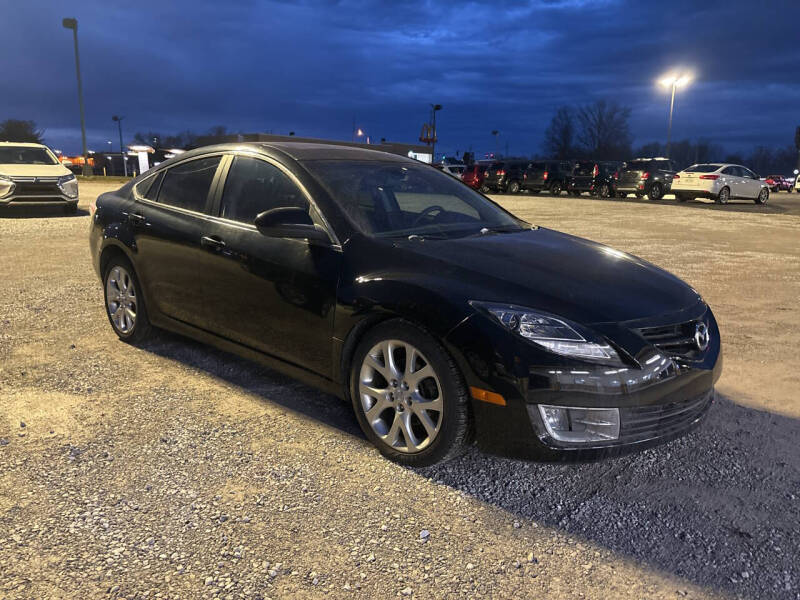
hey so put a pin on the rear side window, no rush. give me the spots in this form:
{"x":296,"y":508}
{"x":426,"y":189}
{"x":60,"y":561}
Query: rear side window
{"x":584,"y":168}
{"x":731,"y":171}
{"x":664,"y":165}
{"x":254,"y":186}
{"x":187,"y":185}
{"x":702,"y":169}
{"x":148,"y":188}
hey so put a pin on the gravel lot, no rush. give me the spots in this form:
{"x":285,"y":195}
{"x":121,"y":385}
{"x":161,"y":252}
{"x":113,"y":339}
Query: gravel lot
{"x":177,"y":471}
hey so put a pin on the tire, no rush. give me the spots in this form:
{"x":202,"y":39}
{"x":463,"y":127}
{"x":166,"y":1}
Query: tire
{"x":513,"y":187}
{"x":681,"y":197}
{"x":622,"y":195}
{"x":397,"y":430}
{"x":604,"y":191}
{"x":575,"y":193}
{"x":132,"y":325}
{"x":555,"y":189}
{"x":485,"y":189}
{"x":724,"y":196}
{"x":656,"y":192}
{"x":762,"y":197}
{"x":71,"y":208}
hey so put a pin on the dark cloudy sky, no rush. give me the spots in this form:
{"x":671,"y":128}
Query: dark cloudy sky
{"x":312,"y":66}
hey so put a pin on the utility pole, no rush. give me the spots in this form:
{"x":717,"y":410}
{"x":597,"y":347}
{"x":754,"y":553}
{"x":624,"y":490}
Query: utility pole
{"x":118,"y":119}
{"x":70,"y":23}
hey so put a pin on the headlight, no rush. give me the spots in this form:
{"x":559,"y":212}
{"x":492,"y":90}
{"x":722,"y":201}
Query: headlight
{"x":552,"y":333}
{"x":7,"y":186}
{"x":69,"y":185}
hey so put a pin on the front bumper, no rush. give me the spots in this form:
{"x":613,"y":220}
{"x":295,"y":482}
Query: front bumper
{"x":657,"y":400}
{"x":38,"y":191}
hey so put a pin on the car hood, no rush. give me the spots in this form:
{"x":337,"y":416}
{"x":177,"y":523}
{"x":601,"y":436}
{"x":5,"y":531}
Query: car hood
{"x":15,"y":170}
{"x":558,"y":273}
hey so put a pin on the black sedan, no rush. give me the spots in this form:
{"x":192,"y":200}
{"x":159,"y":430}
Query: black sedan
{"x":439,"y":315}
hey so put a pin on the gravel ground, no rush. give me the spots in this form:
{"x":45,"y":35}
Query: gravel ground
{"x":177,"y":471}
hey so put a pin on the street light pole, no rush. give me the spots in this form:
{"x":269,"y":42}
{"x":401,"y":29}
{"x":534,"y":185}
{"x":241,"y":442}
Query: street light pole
{"x":434,"y":107}
{"x":70,"y":23}
{"x":118,"y":119}
{"x":495,"y":133}
{"x":669,"y":127}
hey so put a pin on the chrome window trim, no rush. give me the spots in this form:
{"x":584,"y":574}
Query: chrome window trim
{"x":335,"y":243}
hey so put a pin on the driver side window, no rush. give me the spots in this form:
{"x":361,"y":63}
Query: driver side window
{"x":253,"y":186}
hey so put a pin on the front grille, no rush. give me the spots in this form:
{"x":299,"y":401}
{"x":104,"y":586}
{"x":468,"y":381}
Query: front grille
{"x":639,"y":423}
{"x":676,"y":340}
{"x":37,"y":188}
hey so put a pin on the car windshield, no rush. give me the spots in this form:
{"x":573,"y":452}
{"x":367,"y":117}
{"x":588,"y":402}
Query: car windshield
{"x":388,"y":199}
{"x":25,"y":155}
{"x":702,"y":168}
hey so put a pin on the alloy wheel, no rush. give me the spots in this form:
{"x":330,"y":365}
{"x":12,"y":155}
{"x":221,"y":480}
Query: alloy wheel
{"x":763,"y":195}
{"x":121,"y":299}
{"x":401,"y":396}
{"x":604,"y":192}
{"x":724,"y":195}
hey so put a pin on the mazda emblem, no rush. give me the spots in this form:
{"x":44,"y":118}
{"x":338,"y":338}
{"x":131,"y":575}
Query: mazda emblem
{"x":701,"y":336}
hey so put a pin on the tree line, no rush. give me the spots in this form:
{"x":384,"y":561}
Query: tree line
{"x":601,"y":131}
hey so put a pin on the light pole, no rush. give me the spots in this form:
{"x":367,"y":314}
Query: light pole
{"x":673,"y":82}
{"x":70,"y":23}
{"x":118,"y":121}
{"x":434,"y":109}
{"x":495,"y":133}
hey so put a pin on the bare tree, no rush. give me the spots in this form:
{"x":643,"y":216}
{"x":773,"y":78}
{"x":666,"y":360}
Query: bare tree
{"x":604,"y":132}
{"x":560,"y":134}
{"x":15,"y":130}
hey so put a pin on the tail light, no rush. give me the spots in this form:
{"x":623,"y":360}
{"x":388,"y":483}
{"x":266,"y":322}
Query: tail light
{"x":645,"y":175}
{"x":500,"y":173}
{"x":711,"y":177}
{"x":676,"y":176}
{"x":595,"y":171}
{"x":616,"y":174}
{"x":545,"y":175}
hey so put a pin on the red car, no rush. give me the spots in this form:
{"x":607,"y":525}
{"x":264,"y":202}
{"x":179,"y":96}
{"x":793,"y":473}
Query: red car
{"x":777,"y":183}
{"x":474,"y":175}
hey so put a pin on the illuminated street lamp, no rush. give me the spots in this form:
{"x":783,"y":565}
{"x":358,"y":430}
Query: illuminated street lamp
{"x":72,"y":24}
{"x":673,"y":82}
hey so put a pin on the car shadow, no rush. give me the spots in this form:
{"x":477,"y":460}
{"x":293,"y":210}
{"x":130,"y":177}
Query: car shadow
{"x":719,"y":507}
{"x":256,"y":379}
{"x":38,"y":212}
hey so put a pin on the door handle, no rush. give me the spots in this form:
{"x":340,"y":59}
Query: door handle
{"x":212,"y":242}
{"x":136,"y":218}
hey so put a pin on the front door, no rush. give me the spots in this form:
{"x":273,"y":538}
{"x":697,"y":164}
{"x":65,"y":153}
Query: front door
{"x":275,"y":295}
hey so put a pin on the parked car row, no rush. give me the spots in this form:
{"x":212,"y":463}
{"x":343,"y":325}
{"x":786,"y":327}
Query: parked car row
{"x":650,"y":177}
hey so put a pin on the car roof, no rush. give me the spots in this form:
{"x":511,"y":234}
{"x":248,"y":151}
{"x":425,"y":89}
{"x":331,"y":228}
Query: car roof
{"x":27,"y":144}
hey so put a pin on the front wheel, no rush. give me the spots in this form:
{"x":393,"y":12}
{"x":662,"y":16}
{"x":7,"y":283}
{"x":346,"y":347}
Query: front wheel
{"x":124,"y":302}
{"x":605,"y":191}
{"x":513,"y":187}
{"x":555,"y":189}
{"x":763,"y":196}
{"x":408,"y":395}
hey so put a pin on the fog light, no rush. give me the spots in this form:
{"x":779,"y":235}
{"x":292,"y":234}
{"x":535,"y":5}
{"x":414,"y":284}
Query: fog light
{"x":580,"y":425}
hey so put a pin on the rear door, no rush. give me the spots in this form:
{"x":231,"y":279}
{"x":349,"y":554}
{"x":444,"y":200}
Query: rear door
{"x":731,"y":178}
{"x":275,"y":295}
{"x":582,"y":175}
{"x":169,"y":226}
{"x":751,"y":185}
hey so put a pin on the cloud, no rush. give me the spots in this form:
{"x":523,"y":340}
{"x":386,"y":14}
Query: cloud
{"x":314,"y":66}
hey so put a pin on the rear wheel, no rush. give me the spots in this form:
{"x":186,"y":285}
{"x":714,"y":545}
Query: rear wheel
{"x":724,"y":195}
{"x":555,"y":189}
{"x":513,"y":187}
{"x":409,"y":396}
{"x":622,"y":195}
{"x":681,"y":197}
{"x":124,"y":302}
{"x":656,"y":192}
{"x":605,"y":191}
{"x":763,"y":196}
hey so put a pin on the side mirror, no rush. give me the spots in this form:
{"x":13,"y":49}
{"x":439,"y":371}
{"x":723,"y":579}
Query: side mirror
{"x":289,"y":222}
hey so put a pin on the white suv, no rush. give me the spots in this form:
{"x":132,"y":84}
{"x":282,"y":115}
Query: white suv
{"x":721,"y":182}
{"x":31,"y":174}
